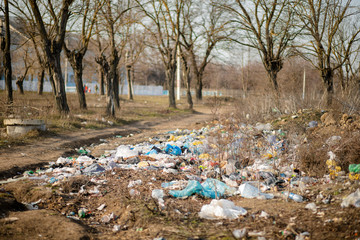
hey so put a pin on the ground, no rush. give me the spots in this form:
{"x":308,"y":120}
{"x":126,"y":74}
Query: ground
{"x":138,"y":216}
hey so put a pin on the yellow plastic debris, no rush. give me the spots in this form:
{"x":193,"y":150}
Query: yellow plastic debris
{"x":354,"y":177}
{"x":197,"y":143}
{"x":330,"y":163}
{"x":143,"y":164}
{"x":204,"y":156}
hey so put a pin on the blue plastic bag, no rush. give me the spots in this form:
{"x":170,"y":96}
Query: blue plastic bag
{"x":211,"y":188}
{"x":173,"y":150}
{"x":192,"y":188}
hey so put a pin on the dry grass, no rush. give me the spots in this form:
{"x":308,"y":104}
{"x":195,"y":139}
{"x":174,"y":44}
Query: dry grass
{"x":33,"y":106}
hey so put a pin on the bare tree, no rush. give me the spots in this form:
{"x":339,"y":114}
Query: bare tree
{"x":186,"y":69}
{"x":200,"y":32}
{"x":5,"y":47}
{"x":52,"y":43}
{"x":85,"y":8}
{"x":164,"y":30}
{"x":322,"y":20}
{"x":269,"y":27}
{"x":25,"y":18}
{"x":21,"y":78}
{"x":99,"y":60}
{"x":135,"y":46}
{"x":347,"y":74}
{"x":114,"y":19}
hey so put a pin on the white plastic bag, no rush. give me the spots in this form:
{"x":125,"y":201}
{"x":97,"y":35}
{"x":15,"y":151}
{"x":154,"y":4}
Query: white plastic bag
{"x":221,"y":209}
{"x":352,"y":199}
{"x":249,"y":191}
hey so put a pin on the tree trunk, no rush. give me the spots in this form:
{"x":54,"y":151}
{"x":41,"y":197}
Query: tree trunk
{"x":128,"y":77}
{"x":199,"y":86}
{"x":52,"y":82}
{"x":170,"y":75}
{"x":114,"y":76}
{"x":101,"y":82}
{"x":187,"y":80}
{"x":328,"y":80}
{"x":116,"y":89}
{"x":273,"y":80}
{"x":52,"y":49}
{"x":105,"y":68}
{"x":5,"y":46}
{"x":80,"y":88}
{"x":132,"y":79}
{"x":41,"y":75}
{"x":19,"y":84}
{"x":110,"y":106}
{"x":76,"y":59}
{"x":60,"y":95}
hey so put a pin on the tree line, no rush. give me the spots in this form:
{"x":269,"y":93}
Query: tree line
{"x":323,"y":32}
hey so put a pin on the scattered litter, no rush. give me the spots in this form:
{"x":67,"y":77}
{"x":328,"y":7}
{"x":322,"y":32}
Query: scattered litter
{"x":134,"y":183}
{"x":249,"y":191}
{"x":82,"y":213}
{"x":256,"y":234}
{"x":107,"y":218}
{"x":313,"y":124}
{"x":102,"y":206}
{"x":116,"y":228}
{"x":352,"y":199}
{"x":311,"y":206}
{"x":264,"y":214}
{"x":211,"y":188}
{"x":293,"y":196}
{"x":256,"y":162}
{"x":303,"y":236}
{"x":221,"y":209}
{"x":239,"y":233}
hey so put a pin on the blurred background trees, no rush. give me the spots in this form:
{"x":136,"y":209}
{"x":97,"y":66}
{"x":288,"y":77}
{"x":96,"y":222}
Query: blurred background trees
{"x":306,"y":52}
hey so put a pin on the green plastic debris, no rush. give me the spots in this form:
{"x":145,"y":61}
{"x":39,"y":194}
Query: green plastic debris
{"x":83,"y":151}
{"x":354,"y":168}
{"x":82,"y":213}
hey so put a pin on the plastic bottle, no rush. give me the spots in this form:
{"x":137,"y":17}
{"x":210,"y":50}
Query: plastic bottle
{"x":293,"y":196}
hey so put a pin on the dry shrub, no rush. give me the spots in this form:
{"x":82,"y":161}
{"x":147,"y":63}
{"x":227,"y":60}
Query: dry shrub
{"x":313,"y":154}
{"x":312,"y":158}
{"x":348,"y":151}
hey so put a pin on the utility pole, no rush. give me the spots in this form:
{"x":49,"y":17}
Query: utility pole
{"x":178,"y":75}
{"x":128,"y":75}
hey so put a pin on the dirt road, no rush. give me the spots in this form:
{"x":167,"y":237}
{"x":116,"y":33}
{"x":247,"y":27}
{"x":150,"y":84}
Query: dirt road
{"x":16,"y":159}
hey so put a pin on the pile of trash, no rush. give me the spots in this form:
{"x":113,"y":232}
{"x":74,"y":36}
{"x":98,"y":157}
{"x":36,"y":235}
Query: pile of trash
{"x":218,"y":162}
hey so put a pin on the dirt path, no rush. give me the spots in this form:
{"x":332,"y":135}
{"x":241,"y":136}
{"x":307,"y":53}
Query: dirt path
{"x":19,"y":158}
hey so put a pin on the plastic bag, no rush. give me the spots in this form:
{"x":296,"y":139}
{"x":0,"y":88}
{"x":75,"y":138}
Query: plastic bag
{"x":352,"y":199}
{"x":192,"y":188}
{"x":94,"y":168}
{"x":354,"y":168}
{"x":173,"y":150}
{"x":249,"y":191}
{"x":221,"y":209}
{"x":125,"y":152}
{"x":157,"y":193}
{"x":213,"y":188}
